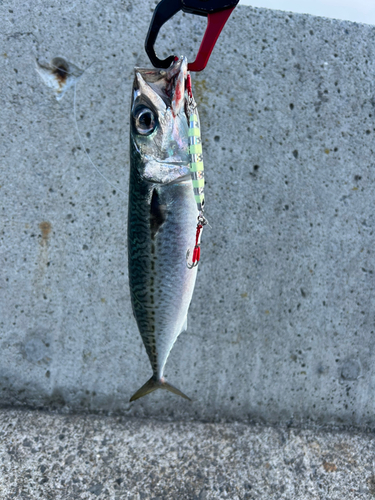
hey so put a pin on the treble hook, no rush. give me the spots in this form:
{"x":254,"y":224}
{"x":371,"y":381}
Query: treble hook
{"x":202,"y":221}
{"x":193,"y":264}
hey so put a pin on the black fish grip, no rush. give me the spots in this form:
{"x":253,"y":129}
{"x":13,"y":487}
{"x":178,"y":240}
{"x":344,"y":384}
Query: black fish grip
{"x":217,"y":12}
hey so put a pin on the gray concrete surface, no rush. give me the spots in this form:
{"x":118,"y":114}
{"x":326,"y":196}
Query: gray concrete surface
{"x":51,"y":457}
{"x":281,"y":328}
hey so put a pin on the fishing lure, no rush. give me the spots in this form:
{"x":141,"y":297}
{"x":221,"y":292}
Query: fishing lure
{"x":196,"y":167}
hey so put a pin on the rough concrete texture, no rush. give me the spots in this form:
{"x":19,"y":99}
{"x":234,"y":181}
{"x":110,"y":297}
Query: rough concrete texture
{"x":281,"y":328}
{"x":52,"y":457}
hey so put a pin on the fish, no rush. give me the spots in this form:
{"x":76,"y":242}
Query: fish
{"x":162,"y":215}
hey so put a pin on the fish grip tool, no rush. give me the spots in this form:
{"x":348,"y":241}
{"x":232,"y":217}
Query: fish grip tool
{"x":196,"y":167}
{"x":217,"y":13}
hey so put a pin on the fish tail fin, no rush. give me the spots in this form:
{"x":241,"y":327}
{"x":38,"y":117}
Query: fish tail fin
{"x":172,"y":388}
{"x":153,"y":384}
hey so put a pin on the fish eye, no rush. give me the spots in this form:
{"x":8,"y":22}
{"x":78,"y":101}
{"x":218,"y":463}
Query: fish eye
{"x":145,"y":121}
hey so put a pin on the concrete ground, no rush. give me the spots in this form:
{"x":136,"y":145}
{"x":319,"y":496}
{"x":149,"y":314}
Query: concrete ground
{"x":50,"y":456}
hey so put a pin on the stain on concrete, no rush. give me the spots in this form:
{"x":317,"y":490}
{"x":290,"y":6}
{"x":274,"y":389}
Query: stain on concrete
{"x":35,"y":350}
{"x":45,"y":228}
{"x":329,"y":467}
{"x":43,"y":261}
{"x":59,"y":75}
{"x":351,"y":369}
{"x":61,"y":70}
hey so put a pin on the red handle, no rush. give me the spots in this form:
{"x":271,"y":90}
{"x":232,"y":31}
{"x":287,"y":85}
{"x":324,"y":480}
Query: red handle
{"x":215,"y":24}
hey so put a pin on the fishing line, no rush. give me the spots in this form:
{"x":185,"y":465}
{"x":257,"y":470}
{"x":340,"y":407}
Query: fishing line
{"x":84,"y":149}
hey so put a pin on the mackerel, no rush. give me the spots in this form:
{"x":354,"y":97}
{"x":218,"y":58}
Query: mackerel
{"x":162,"y":216}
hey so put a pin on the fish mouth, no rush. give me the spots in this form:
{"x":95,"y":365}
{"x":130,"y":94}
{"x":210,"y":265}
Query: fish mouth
{"x":178,"y":180}
{"x":168,"y":83}
{"x":174,"y":163}
{"x":168,"y":162}
{"x":166,"y":172}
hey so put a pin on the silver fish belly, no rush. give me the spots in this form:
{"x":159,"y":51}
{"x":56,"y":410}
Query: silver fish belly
{"x":162,"y":215}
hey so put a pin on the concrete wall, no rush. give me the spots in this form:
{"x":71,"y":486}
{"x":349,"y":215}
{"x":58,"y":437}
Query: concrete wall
{"x":281,"y":328}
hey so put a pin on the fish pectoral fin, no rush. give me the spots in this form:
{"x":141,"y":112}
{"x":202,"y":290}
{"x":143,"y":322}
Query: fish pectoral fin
{"x":153,"y":384}
{"x":157,"y":213}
